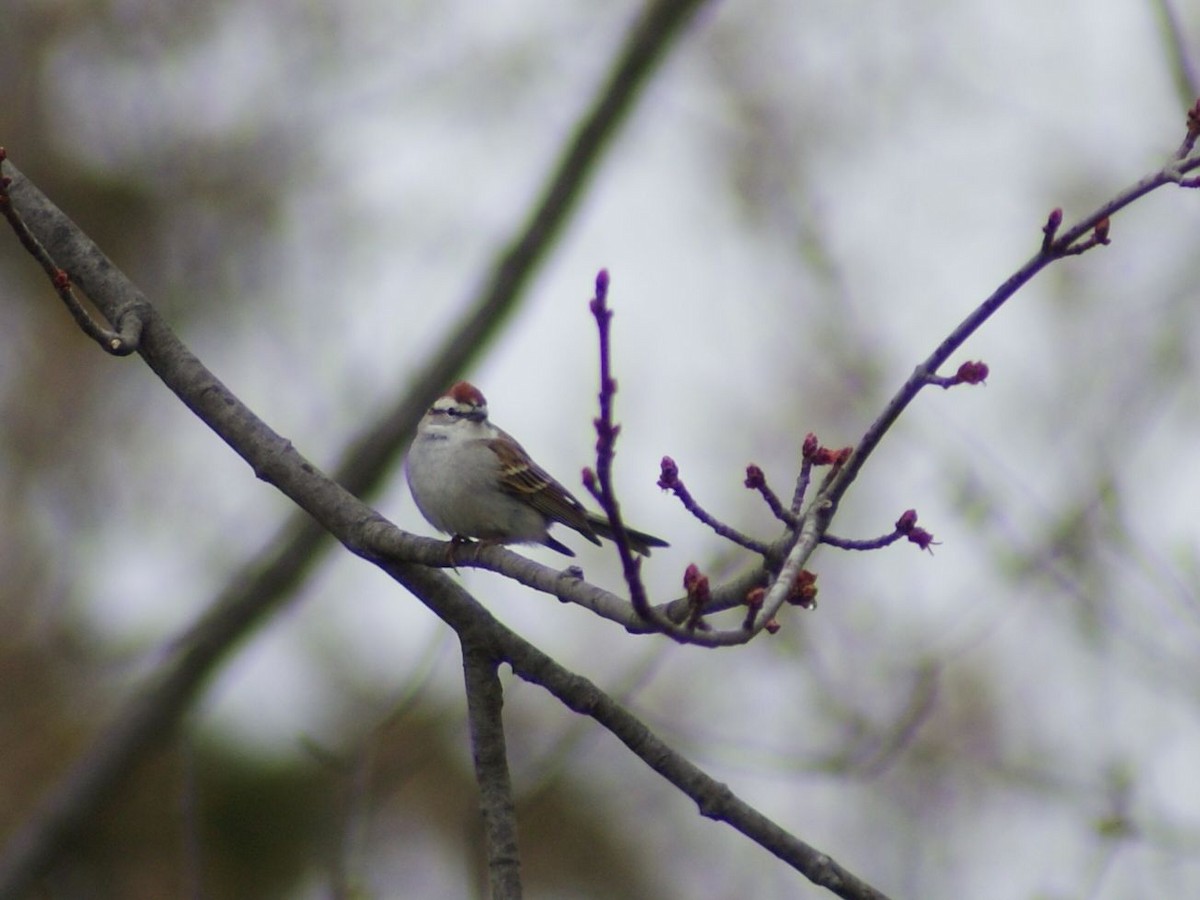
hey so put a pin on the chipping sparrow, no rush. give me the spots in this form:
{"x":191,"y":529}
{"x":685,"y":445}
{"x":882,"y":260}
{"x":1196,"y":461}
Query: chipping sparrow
{"x":470,"y":479}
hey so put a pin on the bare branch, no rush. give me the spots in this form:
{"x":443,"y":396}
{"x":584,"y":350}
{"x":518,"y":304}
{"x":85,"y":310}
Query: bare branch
{"x":485,"y":700}
{"x":714,"y":799}
{"x":264,"y":581}
{"x":1089,"y":232}
{"x":150,"y":716}
{"x":1066,"y":243}
{"x":154,"y":711}
{"x":693,"y":630}
{"x":599,"y":483}
{"x":121,"y":342}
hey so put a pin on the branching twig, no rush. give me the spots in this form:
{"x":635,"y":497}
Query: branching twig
{"x":1091,"y":229}
{"x":757,"y":481}
{"x":968,"y":373}
{"x":121,"y":342}
{"x":714,"y":799}
{"x":669,"y":480}
{"x":906,"y":527}
{"x":694,"y":630}
{"x":600,"y":483}
{"x":1088,"y":233}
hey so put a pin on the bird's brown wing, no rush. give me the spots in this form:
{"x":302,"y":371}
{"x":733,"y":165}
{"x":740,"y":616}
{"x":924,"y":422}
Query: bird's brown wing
{"x":522,"y":477}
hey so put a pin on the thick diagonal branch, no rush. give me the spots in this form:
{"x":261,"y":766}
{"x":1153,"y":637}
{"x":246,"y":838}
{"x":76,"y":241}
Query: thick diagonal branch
{"x":266,"y":580}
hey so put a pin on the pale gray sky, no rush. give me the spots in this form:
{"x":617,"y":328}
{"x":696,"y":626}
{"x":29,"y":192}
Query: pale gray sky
{"x":808,"y":198}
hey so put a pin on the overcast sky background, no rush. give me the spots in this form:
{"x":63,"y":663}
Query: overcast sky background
{"x":806,"y":201}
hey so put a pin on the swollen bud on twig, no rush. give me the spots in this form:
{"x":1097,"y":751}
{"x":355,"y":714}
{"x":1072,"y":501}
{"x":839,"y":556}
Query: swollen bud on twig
{"x":698,"y":594}
{"x":599,"y":304}
{"x":669,"y":480}
{"x":754,"y":603}
{"x":906,"y":525}
{"x":803,"y":590}
{"x":972,"y":373}
{"x":695,"y":583}
{"x":757,"y":481}
{"x":1050,"y":229}
{"x":669,"y":476}
{"x":754,"y":598}
{"x":810,"y":447}
{"x":812,"y":452}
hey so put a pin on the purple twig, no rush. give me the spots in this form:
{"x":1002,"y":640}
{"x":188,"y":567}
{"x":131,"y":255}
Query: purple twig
{"x":906,"y":527}
{"x":600,"y":485}
{"x":808,"y":451}
{"x":669,"y":480}
{"x":968,"y":373}
{"x":757,"y":481}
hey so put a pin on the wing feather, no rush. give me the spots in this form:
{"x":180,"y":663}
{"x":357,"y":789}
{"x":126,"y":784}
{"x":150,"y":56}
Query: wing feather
{"x":522,"y":477}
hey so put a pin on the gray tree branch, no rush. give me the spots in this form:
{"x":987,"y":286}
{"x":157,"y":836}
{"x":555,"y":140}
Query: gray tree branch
{"x":152,"y":714}
{"x":264,"y":582}
{"x":485,"y":702}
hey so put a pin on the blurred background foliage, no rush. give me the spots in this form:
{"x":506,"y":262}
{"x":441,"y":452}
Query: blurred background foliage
{"x":807,"y":200}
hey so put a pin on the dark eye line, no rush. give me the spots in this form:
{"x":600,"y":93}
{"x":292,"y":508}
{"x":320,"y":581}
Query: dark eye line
{"x":455,"y":412}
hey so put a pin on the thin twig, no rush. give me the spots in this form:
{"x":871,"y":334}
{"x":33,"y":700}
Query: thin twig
{"x":802,"y":481}
{"x":906,"y":527}
{"x":669,"y":480}
{"x":1057,"y":249}
{"x":121,"y":342}
{"x":756,"y":480}
{"x":600,"y":483}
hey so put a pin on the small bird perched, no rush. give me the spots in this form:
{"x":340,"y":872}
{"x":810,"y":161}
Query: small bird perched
{"x":472,"y":480}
